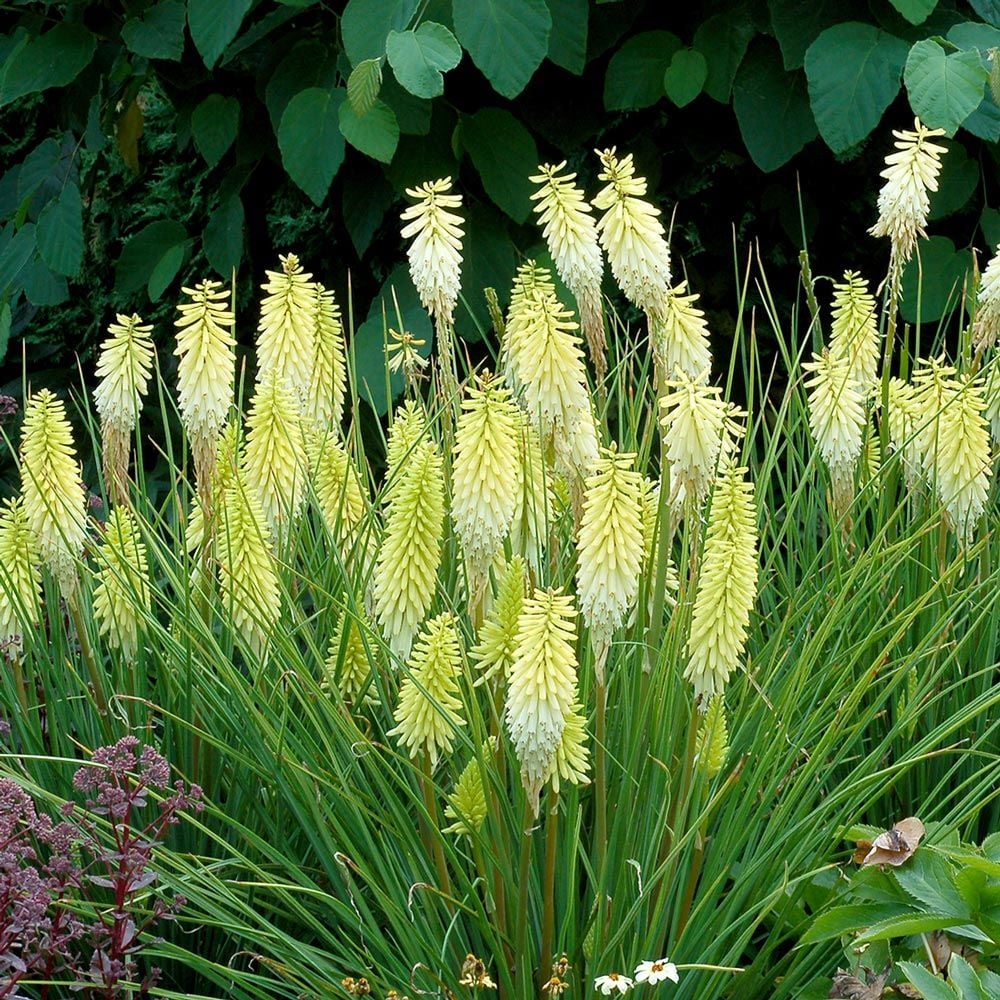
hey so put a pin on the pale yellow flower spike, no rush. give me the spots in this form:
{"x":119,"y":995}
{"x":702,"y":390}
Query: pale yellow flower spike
{"x":337,"y":490}
{"x":542,"y":689}
{"x":727,"y":585}
{"x":228,"y":457}
{"x":55,"y":502}
{"x":572,"y":759}
{"x":121,"y":594}
{"x":530,"y":528}
{"x":904,"y":202}
{"x":205,"y":373}
{"x":991,"y":393}
{"x":904,"y":421}
{"x":467,"y":803}
{"x":987,"y":322}
{"x":348,"y":664}
{"x":494,"y":652}
{"x":328,"y":379}
{"x":569,"y":230}
{"x":287,"y":331}
{"x":712,"y":745}
{"x":854,"y":335}
{"x":610,"y":549}
{"x":248,"y":578}
{"x":408,"y":560}
{"x":428,"y":710}
{"x":124,"y":367}
{"x":273,"y":458}
{"x":20,"y":578}
{"x":685,"y":334}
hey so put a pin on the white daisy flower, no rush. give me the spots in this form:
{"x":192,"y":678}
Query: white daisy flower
{"x":655,"y":972}
{"x":611,"y":982}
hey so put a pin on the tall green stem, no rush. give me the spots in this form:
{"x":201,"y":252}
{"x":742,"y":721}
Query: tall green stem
{"x":549,"y":886}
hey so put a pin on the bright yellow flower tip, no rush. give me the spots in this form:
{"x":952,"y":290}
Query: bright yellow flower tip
{"x":428,"y":710}
{"x":904,"y":202}
{"x":530,"y":527}
{"x":904,"y":422}
{"x":684,"y":337}
{"x":542,"y":686}
{"x":854,"y":335}
{"x":121,"y":594}
{"x":486,"y":475}
{"x":467,"y":803}
{"x":287,"y":330}
{"x":349,"y":660}
{"x":123,"y":367}
{"x":837,"y":420}
{"x":712,"y":746}
{"x":337,"y":490}
{"x":494,"y":652}
{"x":632,"y":236}
{"x":569,"y":230}
{"x":20,"y":579}
{"x":407,"y":566}
{"x":572,"y":759}
{"x":955,"y":444}
{"x":274,"y":459}
{"x":248,"y":579}
{"x":727,"y":585}
{"x":205,"y":371}
{"x":609,"y":548}
{"x":986,"y":325}
{"x":435,"y":254}
{"x":55,"y":503}
{"x":328,"y":380}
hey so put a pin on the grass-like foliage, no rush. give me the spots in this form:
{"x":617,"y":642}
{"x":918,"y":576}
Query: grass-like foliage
{"x":580,"y":676}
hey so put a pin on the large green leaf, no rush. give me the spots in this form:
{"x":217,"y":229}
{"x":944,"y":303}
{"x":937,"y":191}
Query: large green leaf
{"x":214,"y":124}
{"x":772,"y":108}
{"x":504,"y":153}
{"x":958,"y":180}
{"x":50,"y":60}
{"x":367,"y":23}
{"x":364,"y":84}
{"x":944,"y":88}
{"x":308,"y":64}
{"x":507,"y":39}
{"x":420,"y":57}
{"x":310,"y":140}
{"x":915,"y":11}
{"x":5,"y":325}
{"x":489,"y":262}
{"x":931,"y":988}
{"x":840,"y":920}
{"x":722,"y":39}
{"x":965,"y":979}
{"x":934,"y":277}
{"x":144,"y":253}
{"x":988,"y":10}
{"x":685,"y":76}
{"x":853,"y":71}
{"x":16,"y":250}
{"x":214,"y":24}
{"x":974,"y":35}
{"x":366,"y":199}
{"x":635,"y":74}
{"x":568,"y":38}
{"x":223,"y":238}
{"x":797,"y":25}
{"x":376,"y":133}
{"x":158,"y":32}
{"x":60,"y":232}
{"x":166,"y":270}
{"x":41,"y":286}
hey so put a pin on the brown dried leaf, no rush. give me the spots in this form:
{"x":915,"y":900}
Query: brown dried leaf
{"x":847,"y":986}
{"x":895,"y":846}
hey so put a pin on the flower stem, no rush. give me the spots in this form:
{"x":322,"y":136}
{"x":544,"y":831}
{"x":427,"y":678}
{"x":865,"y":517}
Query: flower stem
{"x":549,"y":886}
{"x":87,"y":652}
{"x":523,"y":966}
{"x":433,"y":827}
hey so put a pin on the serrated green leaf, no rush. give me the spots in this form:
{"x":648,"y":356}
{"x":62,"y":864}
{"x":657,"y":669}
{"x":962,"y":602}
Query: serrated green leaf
{"x":376,"y":134}
{"x":504,"y":153}
{"x":507,"y":39}
{"x":772,"y":108}
{"x":840,"y":920}
{"x":39,"y":167}
{"x":15,"y":255}
{"x":568,"y":37}
{"x":685,"y":76}
{"x":965,"y":979}
{"x":214,"y":125}
{"x":214,"y":24}
{"x":50,"y":60}
{"x":60,"y":232}
{"x":41,"y":286}
{"x":363,"y":85}
{"x":166,"y":270}
{"x":944,"y":88}
{"x":915,"y":11}
{"x":419,"y":58}
{"x":930,"y":986}
{"x":722,"y":39}
{"x":634,"y":78}
{"x":143,"y":252}
{"x":853,"y":71}
{"x":158,"y":32}
{"x":310,"y":140}
{"x":918,"y":923}
{"x":223,"y":238}
{"x":308,"y":64}
{"x":367,"y":23}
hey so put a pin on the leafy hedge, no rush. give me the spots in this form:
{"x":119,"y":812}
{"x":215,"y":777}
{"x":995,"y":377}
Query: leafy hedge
{"x":285,"y":102}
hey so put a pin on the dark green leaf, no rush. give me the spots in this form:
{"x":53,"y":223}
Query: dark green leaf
{"x":308,"y":64}
{"x":214,"y":24}
{"x":51,"y":60}
{"x":958,"y":179}
{"x":723,"y":41}
{"x":915,"y":11}
{"x":989,"y":223}
{"x":988,"y":10}
{"x":507,"y":39}
{"x":984,"y":122}
{"x":422,"y":158}
{"x":840,"y":920}
{"x":935,"y":275}
{"x":143,"y":252}
{"x":60,"y":232}
{"x":166,"y":270}
{"x":928,"y":876}
{"x":309,"y":137}
{"x":41,"y":286}
{"x":158,"y":33}
{"x":853,"y":71}
{"x":917,"y":923}
{"x":15,"y":253}
{"x":930,"y":986}
{"x":685,"y":76}
{"x":965,"y":979}
{"x":214,"y":124}
{"x":568,"y":38}
{"x":366,"y":199}
{"x":489,"y":262}
{"x":367,"y":23}
{"x":363,"y":85}
{"x":418,"y":58}
{"x":504,"y":153}
{"x":974,"y":35}
{"x":944,"y":88}
{"x":412,"y":113}
{"x":772,"y":108}
{"x":797,"y":25}
{"x":223,"y":239}
{"x":376,"y":134}
{"x":635,"y":74}
{"x":39,"y":166}
{"x":5,"y":323}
